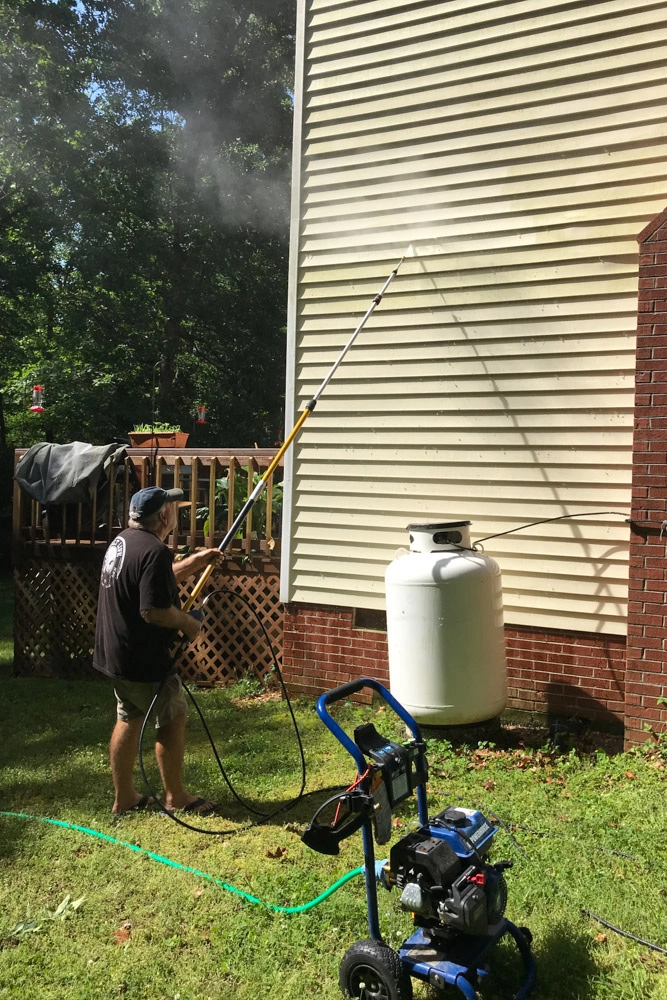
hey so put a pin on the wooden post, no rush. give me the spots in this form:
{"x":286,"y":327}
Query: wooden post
{"x":194,"y":479}
{"x":269,"y":513}
{"x":247,"y":540}
{"x":231,"y":486}
{"x":209,"y":541}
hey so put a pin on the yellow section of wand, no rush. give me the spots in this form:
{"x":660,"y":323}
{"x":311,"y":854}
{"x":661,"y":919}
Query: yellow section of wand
{"x":201,"y":582}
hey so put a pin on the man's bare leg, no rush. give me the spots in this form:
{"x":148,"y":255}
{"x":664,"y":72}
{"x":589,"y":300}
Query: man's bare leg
{"x":170,"y":750}
{"x":123,"y":752}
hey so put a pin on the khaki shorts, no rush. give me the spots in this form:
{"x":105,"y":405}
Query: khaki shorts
{"x":133,"y":699}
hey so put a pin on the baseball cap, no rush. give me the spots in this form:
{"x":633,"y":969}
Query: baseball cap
{"x":149,"y":500}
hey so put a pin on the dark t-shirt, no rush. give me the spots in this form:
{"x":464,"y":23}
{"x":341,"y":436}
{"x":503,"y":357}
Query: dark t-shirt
{"x":137,"y":575}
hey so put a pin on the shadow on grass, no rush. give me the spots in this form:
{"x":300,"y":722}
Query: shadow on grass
{"x":54,"y":755}
{"x":559,"y":734}
{"x":566,"y":969}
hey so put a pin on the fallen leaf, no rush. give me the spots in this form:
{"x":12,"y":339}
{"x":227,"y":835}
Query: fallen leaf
{"x":488,"y":785}
{"x":198,"y":893}
{"x":397,"y":823}
{"x":630,"y":775}
{"x":122,"y":935}
{"x":279,"y":852}
{"x":601,"y":938}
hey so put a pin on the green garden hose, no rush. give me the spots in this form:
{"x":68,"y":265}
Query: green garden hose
{"x":193,"y":871}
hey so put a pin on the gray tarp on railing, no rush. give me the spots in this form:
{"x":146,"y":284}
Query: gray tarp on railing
{"x":65,"y":473}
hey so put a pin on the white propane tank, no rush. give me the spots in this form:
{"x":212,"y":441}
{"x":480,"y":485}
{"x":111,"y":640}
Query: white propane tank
{"x":445,"y":628}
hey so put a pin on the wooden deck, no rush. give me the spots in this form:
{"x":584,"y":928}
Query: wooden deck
{"x":58,"y":550}
{"x":194,"y":471}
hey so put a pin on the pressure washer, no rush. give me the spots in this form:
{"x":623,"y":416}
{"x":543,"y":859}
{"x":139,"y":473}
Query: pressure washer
{"x":456,"y":896}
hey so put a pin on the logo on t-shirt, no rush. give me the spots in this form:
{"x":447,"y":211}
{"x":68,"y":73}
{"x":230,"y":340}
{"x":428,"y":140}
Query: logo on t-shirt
{"x":113,"y":562}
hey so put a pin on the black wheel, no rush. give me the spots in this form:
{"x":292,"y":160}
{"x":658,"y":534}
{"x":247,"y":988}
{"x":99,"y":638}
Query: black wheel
{"x":370,"y":970}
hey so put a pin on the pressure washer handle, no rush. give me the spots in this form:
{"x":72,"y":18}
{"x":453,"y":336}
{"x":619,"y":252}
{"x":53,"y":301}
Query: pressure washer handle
{"x":344,"y":691}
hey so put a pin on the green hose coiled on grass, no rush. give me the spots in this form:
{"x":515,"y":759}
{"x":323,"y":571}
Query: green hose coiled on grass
{"x":193,"y":871}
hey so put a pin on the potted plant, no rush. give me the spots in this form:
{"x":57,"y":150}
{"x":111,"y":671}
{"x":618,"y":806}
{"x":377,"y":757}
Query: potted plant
{"x":158,"y":435}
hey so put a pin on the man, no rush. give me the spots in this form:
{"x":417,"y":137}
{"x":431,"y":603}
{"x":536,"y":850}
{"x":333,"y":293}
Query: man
{"x":138,"y":619}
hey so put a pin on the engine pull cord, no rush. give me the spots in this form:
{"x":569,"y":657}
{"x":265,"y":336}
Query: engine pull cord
{"x":264,"y":817}
{"x":548,"y":520}
{"x":586,"y":912}
{"x":193,"y":871}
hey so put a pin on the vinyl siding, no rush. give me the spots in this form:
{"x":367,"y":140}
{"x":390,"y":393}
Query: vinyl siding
{"x":512,"y":152}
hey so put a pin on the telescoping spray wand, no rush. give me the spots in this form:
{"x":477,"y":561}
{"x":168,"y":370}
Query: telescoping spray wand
{"x":303,"y":416}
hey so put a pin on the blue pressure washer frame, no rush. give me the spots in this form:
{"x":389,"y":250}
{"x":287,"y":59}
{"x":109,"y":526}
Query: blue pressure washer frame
{"x":338,"y":694}
{"x":463,"y":963}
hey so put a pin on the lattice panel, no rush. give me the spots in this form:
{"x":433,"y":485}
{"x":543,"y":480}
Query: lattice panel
{"x":233,"y":644}
{"x":54,"y":618}
{"x":56,"y":606}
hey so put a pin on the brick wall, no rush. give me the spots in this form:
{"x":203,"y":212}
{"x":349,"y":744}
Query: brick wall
{"x":566,"y":673}
{"x":322,"y":649}
{"x":646,"y":673}
{"x":560,"y":673}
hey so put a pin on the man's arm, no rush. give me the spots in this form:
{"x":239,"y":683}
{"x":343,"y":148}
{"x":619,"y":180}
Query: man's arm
{"x":173,"y":618}
{"x":196,"y":562}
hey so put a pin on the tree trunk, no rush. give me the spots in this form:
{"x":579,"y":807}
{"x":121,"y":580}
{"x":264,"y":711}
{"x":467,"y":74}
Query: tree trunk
{"x":3,"y":433}
{"x":173,"y":325}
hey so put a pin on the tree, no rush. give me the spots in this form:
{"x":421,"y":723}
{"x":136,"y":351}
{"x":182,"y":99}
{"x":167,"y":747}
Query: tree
{"x":143,"y":214}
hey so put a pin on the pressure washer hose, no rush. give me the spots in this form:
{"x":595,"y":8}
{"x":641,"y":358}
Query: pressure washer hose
{"x":193,"y":871}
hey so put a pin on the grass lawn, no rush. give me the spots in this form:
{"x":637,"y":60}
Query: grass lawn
{"x":145,"y":931}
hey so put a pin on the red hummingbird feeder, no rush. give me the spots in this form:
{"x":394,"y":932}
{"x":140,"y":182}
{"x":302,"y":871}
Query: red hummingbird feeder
{"x":37,"y":399}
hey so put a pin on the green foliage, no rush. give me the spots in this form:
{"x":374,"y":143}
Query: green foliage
{"x":247,"y":687}
{"x":240,"y":497}
{"x":144,"y":179}
{"x":158,"y":427}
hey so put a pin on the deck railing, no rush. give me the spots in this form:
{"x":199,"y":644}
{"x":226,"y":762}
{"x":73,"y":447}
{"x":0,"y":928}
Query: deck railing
{"x":58,"y":551}
{"x":213,"y":479}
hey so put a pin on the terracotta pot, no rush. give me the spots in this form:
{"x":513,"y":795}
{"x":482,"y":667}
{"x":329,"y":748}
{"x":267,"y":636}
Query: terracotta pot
{"x":161,"y":439}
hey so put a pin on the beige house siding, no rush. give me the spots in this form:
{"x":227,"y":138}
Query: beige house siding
{"x":513,"y":151}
